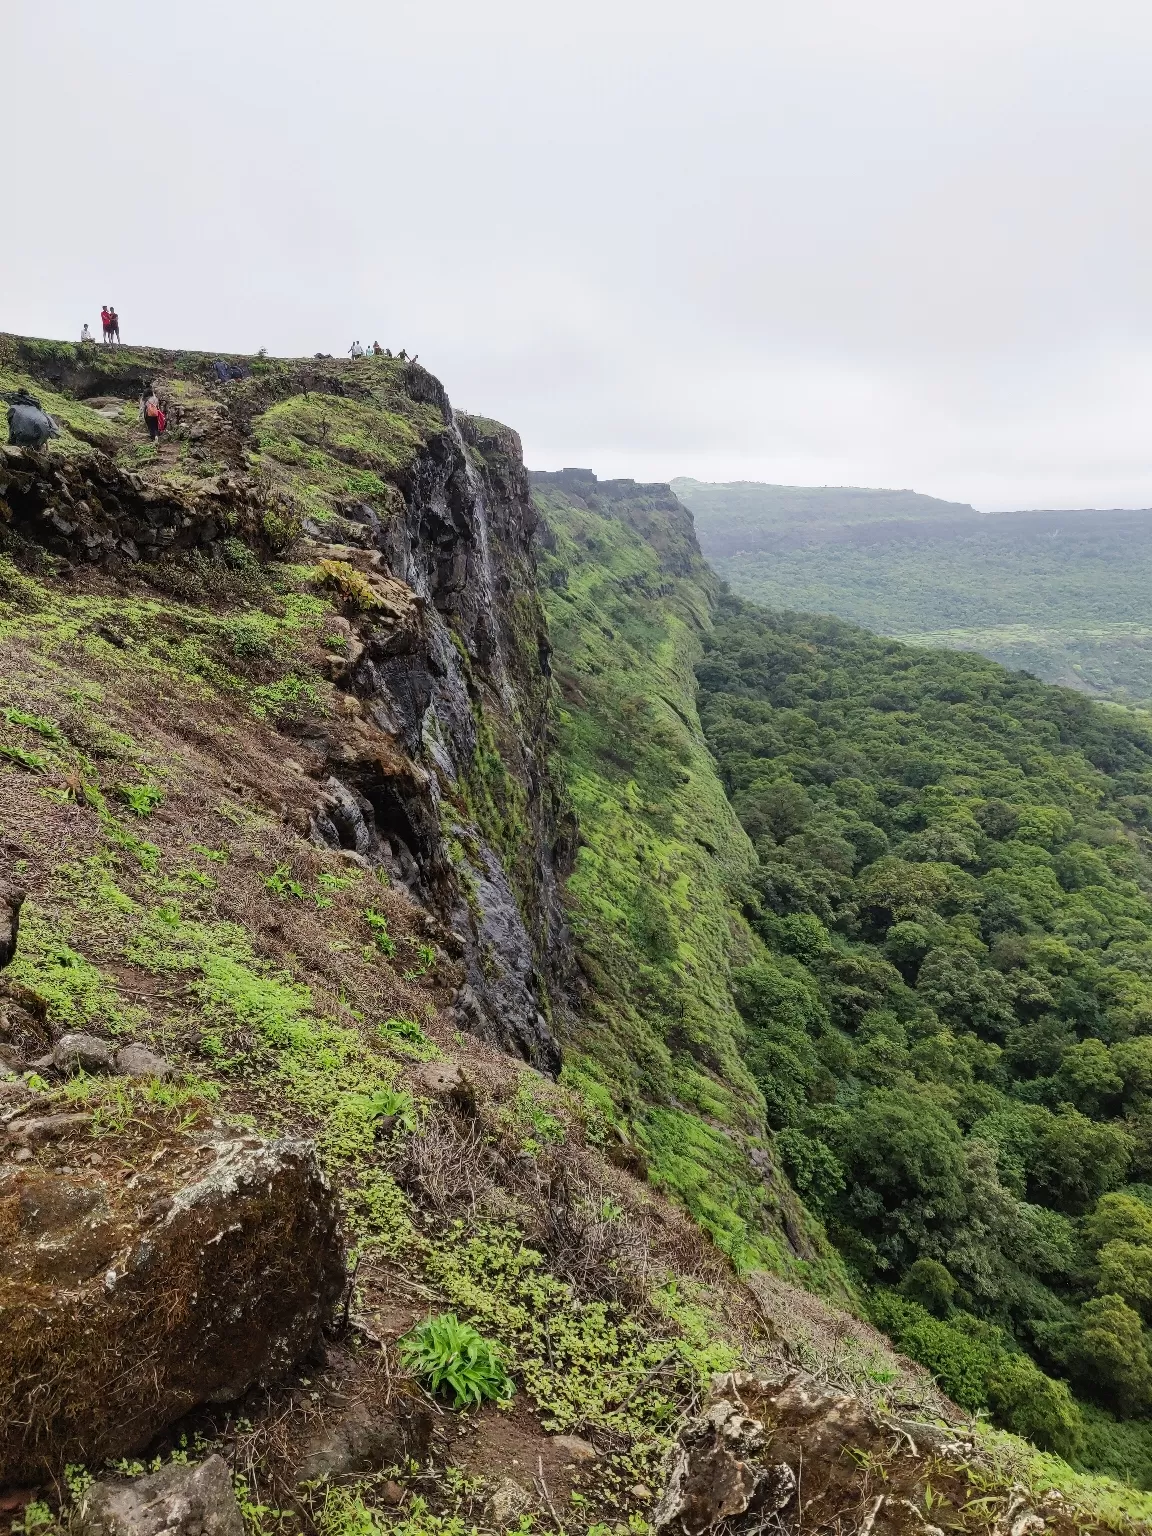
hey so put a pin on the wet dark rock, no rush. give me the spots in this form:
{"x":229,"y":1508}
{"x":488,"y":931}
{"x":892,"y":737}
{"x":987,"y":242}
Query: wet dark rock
{"x":11,"y":900}
{"x":179,"y":1500}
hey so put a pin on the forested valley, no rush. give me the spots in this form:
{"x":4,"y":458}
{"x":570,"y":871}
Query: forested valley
{"x":1061,"y":594}
{"x":951,"y":1027}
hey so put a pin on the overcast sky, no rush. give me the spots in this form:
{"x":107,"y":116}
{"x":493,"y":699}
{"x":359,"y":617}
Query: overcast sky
{"x":895,"y":243}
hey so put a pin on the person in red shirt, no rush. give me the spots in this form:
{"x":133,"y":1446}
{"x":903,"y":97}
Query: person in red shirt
{"x":106,"y":320}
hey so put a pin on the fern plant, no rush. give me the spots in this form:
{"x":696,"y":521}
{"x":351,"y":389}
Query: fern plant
{"x":451,"y":1356}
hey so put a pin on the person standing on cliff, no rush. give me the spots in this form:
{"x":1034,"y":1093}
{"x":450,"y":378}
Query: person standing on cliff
{"x":355,"y":350}
{"x":113,"y":326}
{"x":106,"y":322}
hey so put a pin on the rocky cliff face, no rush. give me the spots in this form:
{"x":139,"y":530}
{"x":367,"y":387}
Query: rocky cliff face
{"x":421,"y":523}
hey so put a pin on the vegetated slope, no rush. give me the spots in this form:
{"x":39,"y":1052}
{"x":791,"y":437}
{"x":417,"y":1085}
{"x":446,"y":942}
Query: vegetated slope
{"x":954,"y":1034}
{"x":273,"y":785}
{"x":1061,"y":594}
{"x":654,"y":894}
{"x":273,"y":780}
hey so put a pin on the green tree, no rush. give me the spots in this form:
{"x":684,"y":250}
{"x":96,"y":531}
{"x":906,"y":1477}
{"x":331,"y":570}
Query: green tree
{"x":905,"y":1176}
{"x":1087,"y":1077}
{"x":1109,"y":1355}
{"x":1126,"y":1270}
{"x":1132,"y":1060}
{"x":929,"y":1283}
{"x":1029,"y":1403}
{"x":1074,"y":1160}
{"x":1118,"y":1216}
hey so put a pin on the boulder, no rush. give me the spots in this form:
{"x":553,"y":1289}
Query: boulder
{"x":179,"y":1500}
{"x":11,"y":900}
{"x":508,"y":1502}
{"x":124,"y":1303}
{"x":138,"y":1061}
{"x":368,"y":1440}
{"x":83,"y":1053}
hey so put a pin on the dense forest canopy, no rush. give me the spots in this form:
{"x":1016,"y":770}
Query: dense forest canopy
{"x":1062,"y":594}
{"x":954,"y":1030}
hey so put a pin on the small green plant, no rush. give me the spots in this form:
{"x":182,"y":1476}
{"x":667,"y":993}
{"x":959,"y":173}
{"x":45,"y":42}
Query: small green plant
{"x":385,"y":1104}
{"x":383,"y":940}
{"x":78,"y":1480}
{"x":333,"y":882}
{"x":141,"y":799}
{"x":37,"y":1517}
{"x":281,"y":883}
{"x":406,"y":1036}
{"x":46,"y":728}
{"x":32,"y":761}
{"x":427,"y":954}
{"x":450,"y":1355}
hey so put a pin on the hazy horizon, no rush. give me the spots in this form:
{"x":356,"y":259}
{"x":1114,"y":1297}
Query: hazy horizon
{"x":906,"y":246}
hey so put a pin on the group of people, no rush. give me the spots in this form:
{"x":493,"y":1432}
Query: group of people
{"x":110,"y":321}
{"x":356,"y":350}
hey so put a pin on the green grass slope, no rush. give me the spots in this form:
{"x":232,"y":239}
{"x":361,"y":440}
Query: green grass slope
{"x":656,"y":891}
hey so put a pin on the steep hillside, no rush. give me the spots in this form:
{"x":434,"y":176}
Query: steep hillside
{"x":955,"y":874}
{"x":1063,"y":595}
{"x":662,"y":861}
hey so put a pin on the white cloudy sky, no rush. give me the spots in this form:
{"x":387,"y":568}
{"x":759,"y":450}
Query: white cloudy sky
{"x":900,"y":243}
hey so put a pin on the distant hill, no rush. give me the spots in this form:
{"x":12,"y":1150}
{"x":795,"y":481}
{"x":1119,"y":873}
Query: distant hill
{"x":744,"y":515}
{"x":1065,"y":595}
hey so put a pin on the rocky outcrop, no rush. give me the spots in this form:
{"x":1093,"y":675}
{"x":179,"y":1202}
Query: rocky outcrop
{"x":445,"y":655}
{"x":126,"y":1302}
{"x":91,"y":510}
{"x":793,"y":1455}
{"x":179,"y":1500}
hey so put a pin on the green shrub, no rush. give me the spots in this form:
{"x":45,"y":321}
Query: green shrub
{"x":929,"y":1283}
{"x":960,"y":1363}
{"x":451,"y":1355}
{"x":141,"y":799}
{"x":1031,"y":1404}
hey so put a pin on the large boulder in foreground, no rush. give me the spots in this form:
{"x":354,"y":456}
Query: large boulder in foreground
{"x":128,"y":1298}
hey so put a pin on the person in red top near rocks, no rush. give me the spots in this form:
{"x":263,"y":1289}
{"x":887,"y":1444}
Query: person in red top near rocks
{"x":106,"y":321}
